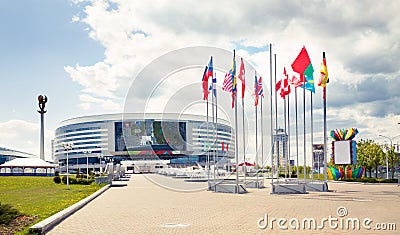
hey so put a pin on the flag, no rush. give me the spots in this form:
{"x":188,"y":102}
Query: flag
{"x":258,"y":89}
{"x":214,"y":86}
{"x":234,"y":82}
{"x":205,"y":84}
{"x":282,"y":86}
{"x":227,"y":84}
{"x":255,"y":91}
{"x":208,"y":72}
{"x":302,"y":65}
{"x":309,"y":85}
{"x":242,"y":76}
{"x":295,"y":82}
{"x":324,"y":79}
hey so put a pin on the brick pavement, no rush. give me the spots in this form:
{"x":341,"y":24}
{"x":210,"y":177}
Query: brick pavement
{"x":145,"y":208}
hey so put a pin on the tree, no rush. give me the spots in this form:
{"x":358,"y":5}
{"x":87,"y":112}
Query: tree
{"x":301,"y":170}
{"x":376,"y":155}
{"x":393,"y":158}
{"x":294,"y":171}
{"x":362,"y":155}
{"x":308,"y":169}
{"x":370,"y":155}
{"x":280,"y":169}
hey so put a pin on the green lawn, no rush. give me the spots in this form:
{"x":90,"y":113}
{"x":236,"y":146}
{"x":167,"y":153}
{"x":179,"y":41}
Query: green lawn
{"x":40,"y":196}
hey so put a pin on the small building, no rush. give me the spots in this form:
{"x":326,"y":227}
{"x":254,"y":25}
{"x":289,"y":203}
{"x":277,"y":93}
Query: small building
{"x":27,"y":167}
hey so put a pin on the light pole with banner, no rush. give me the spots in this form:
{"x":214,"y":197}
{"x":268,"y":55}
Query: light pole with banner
{"x":391,"y":146}
{"x":100,"y":156}
{"x":87,"y":152}
{"x":67,"y":147}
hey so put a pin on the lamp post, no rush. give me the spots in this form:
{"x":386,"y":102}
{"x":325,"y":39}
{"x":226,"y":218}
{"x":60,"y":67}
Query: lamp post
{"x":100,"y":156}
{"x":67,"y":147}
{"x":391,"y":146}
{"x":87,"y":152}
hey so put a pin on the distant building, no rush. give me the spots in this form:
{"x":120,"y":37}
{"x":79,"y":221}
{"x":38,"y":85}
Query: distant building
{"x":9,"y":154}
{"x":280,"y":147}
{"x":317,"y":156}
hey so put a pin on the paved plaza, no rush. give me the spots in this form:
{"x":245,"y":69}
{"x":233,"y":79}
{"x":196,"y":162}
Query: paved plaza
{"x":145,"y":207}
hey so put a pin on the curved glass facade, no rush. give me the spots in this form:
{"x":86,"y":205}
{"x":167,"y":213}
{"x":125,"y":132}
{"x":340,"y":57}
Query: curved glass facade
{"x":179,"y":138}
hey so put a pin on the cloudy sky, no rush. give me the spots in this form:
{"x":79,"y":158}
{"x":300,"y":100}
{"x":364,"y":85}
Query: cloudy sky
{"x":86,"y":55}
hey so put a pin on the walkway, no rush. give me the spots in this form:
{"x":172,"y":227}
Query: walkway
{"x":145,"y":208}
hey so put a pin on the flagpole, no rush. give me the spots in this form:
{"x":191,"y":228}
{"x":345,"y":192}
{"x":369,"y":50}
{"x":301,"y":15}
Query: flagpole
{"x":304,"y":132}
{"x":207,"y":152}
{"x":216,"y":121}
{"x":325,"y":153}
{"x":276,"y":123}
{"x":297,"y":137}
{"x":213,"y":136}
{"x":234,"y":86}
{"x":288,"y":121}
{"x":255,"y":106}
{"x":312,"y":132}
{"x":244,"y":140}
{"x":262,"y":140}
{"x":284,"y":147}
{"x":271,"y":113}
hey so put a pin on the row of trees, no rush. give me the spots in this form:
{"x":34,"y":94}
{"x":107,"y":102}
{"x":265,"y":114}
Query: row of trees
{"x":372,"y":155}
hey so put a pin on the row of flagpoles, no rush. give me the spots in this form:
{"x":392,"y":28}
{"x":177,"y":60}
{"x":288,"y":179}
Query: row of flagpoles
{"x":301,"y":65}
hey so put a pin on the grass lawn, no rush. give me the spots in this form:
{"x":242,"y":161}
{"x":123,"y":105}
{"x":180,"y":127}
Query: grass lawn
{"x":40,"y":196}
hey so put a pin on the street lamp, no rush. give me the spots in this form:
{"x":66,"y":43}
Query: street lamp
{"x":88,"y":152}
{"x":67,"y":147}
{"x":391,"y":146}
{"x":100,"y":156}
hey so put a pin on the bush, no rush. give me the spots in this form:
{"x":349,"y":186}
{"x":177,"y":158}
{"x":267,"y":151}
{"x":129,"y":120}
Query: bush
{"x":370,"y":180}
{"x":85,"y":181}
{"x":8,"y":213}
{"x":82,"y":181}
{"x":71,"y":180}
{"x":57,"y":179}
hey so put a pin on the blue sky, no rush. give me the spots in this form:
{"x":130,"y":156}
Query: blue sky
{"x":84,"y":55}
{"x":38,"y":40}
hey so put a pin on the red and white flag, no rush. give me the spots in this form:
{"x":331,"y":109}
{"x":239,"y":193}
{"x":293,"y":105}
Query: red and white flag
{"x":282,"y":86}
{"x":242,"y":77}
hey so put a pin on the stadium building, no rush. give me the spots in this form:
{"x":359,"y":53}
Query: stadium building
{"x":10,"y":154}
{"x":179,"y":138}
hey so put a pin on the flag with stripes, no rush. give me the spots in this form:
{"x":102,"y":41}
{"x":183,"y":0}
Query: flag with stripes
{"x":227,"y":85}
{"x":258,"y":89}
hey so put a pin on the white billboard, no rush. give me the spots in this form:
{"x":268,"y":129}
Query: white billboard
{"x":341,"y":152}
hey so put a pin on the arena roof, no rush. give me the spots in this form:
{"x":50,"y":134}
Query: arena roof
{"x":15,"y":153}
{"x":139,"y":116}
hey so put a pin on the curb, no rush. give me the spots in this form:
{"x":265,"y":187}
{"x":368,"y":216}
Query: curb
{"x":46,"y":225}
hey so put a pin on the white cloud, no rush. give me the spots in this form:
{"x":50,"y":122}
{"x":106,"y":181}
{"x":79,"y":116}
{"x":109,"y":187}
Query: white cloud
{"x":361,"y":43}
{"x":88,"y":101}
{"x":24,"y":136}
{"x":75,"y":18}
